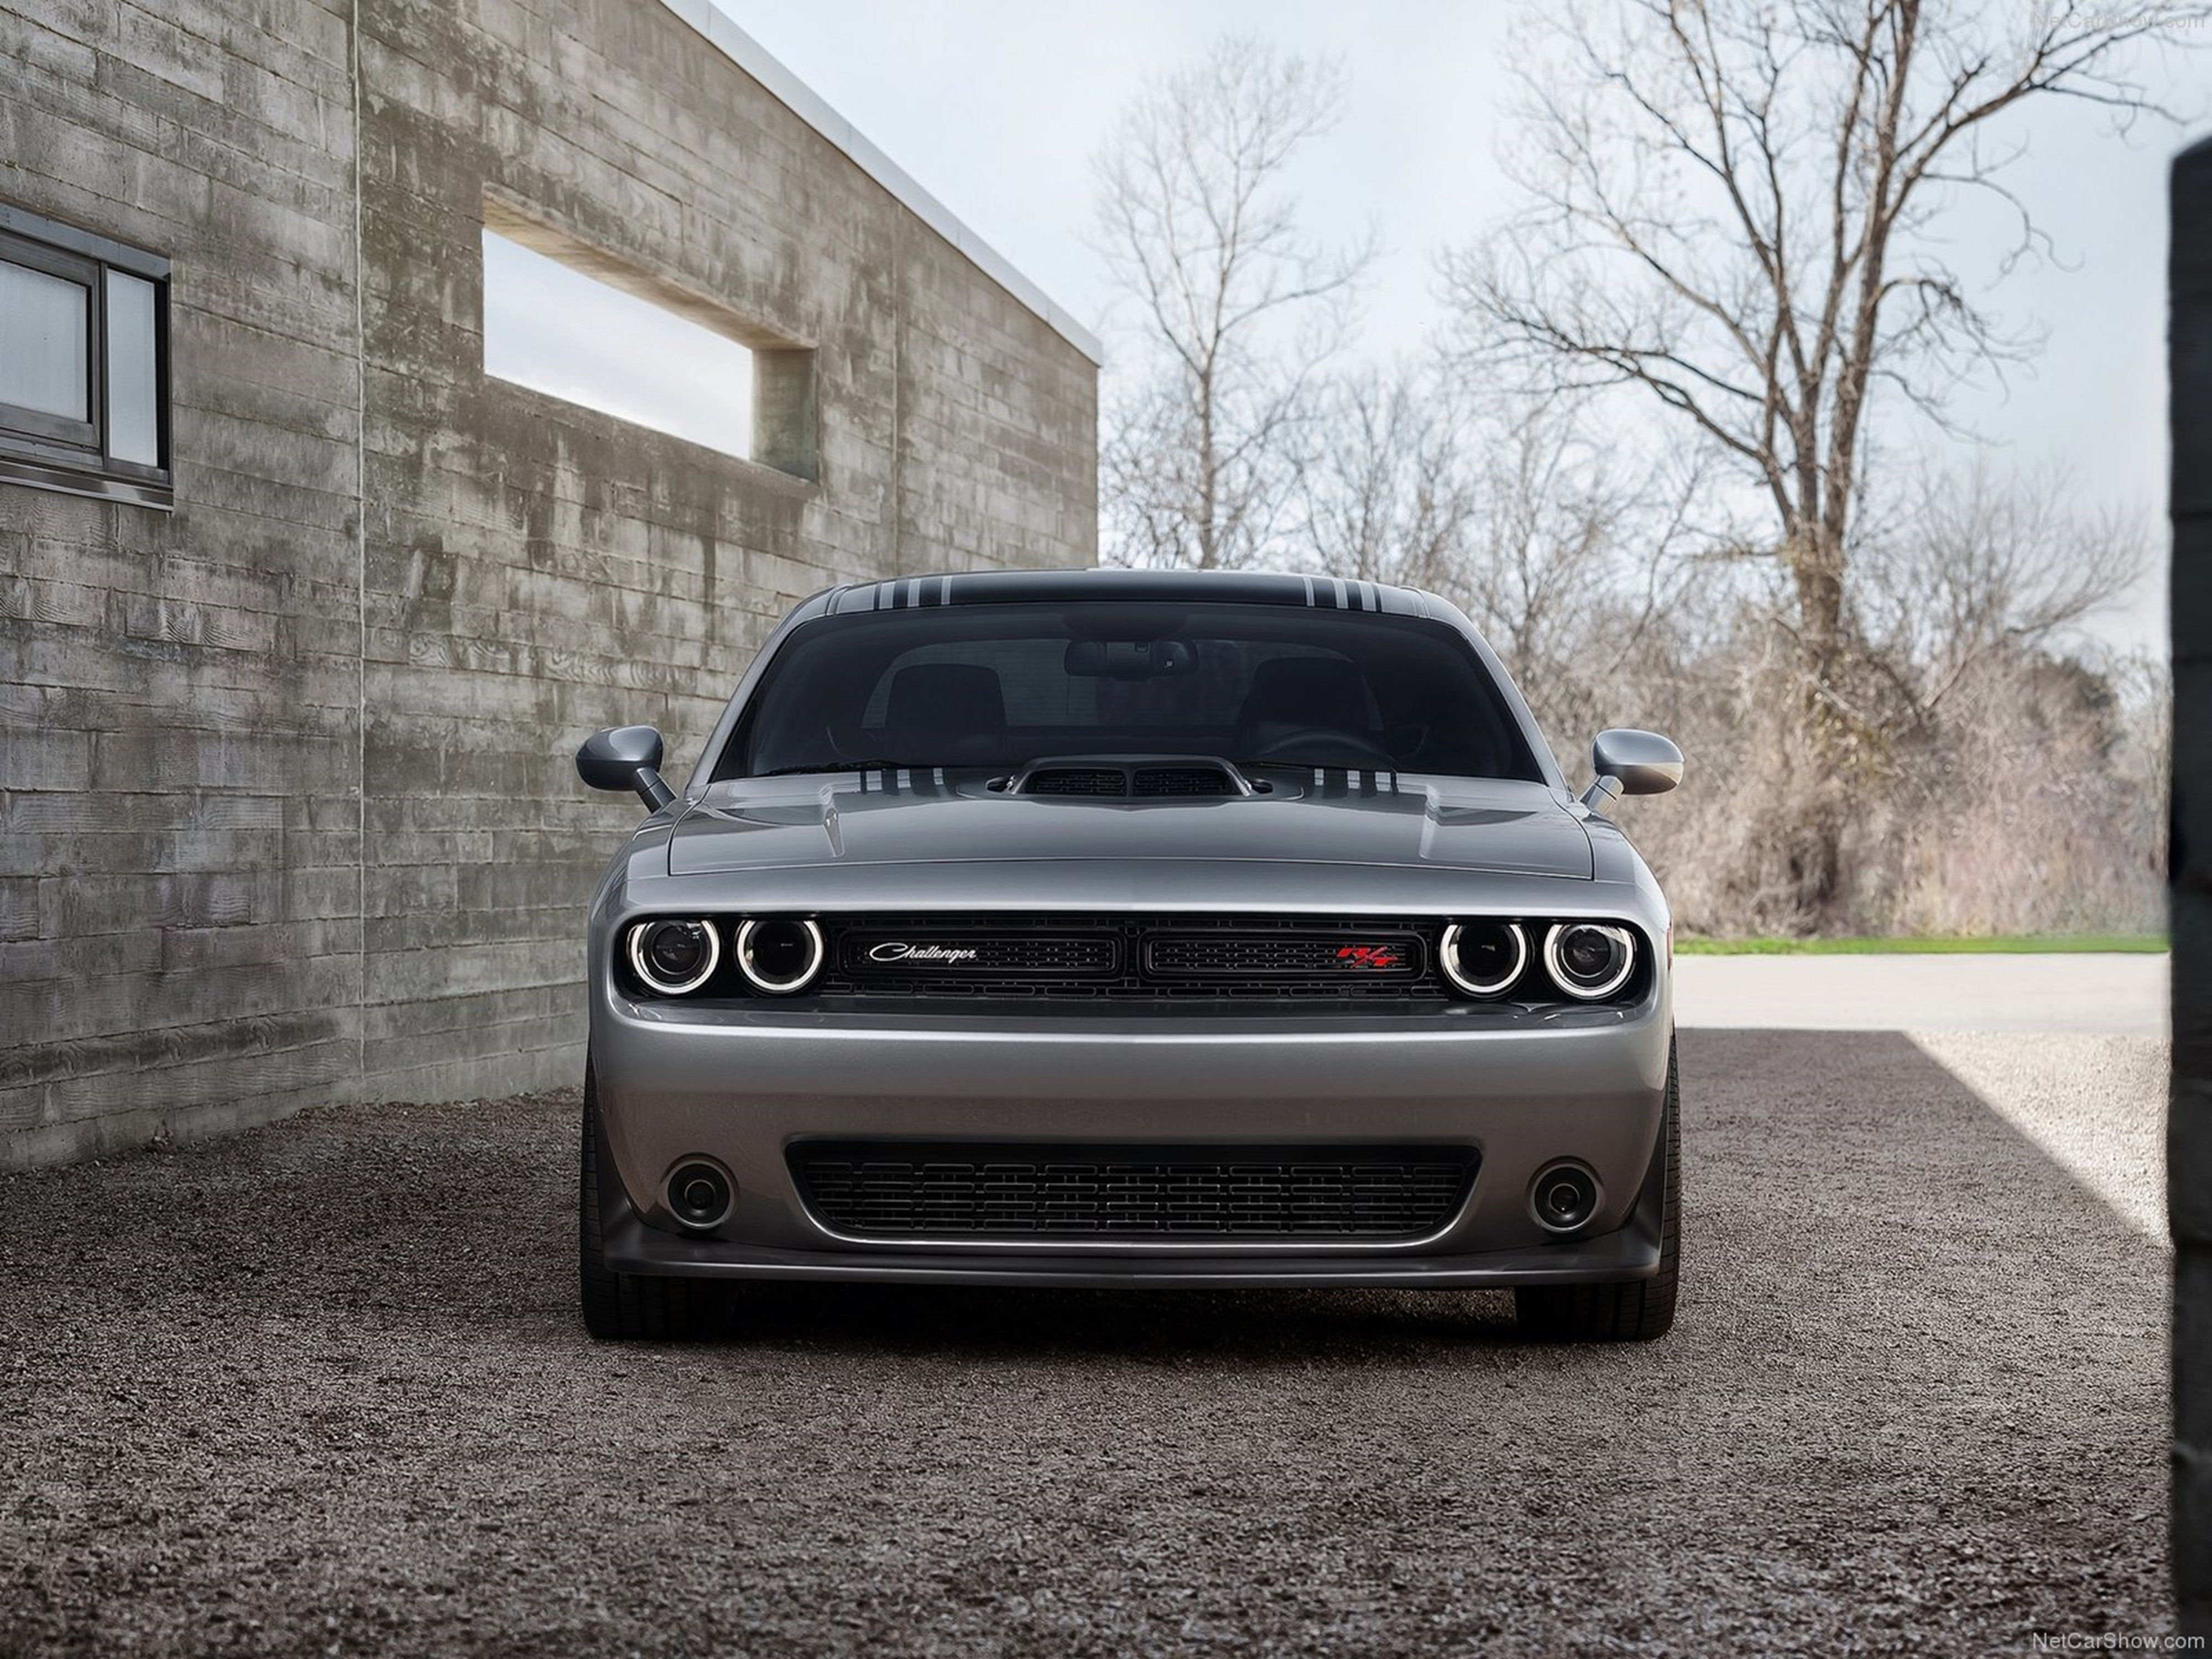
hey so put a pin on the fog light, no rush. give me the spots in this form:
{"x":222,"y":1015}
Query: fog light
{"x":674,"y":958}
{"x":699,"y":1194}
{"x":1590,"y":959}
{"x":1563,"y":1197}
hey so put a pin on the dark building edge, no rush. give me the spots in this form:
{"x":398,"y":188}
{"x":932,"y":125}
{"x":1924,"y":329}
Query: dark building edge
{"x":2189,"y":1161}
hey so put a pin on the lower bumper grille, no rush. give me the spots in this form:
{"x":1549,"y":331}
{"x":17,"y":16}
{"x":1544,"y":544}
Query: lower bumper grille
{"x":903,"y":1189}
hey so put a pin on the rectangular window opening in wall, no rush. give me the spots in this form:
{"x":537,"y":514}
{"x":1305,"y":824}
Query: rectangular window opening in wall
{"x":84,"y":362}
{"x":567,"y":319}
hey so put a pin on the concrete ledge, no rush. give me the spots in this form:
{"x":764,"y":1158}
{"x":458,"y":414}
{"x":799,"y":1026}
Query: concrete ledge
{"x":795,"y":95}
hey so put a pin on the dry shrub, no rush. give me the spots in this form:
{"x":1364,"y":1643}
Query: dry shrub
{"x":2035,"y":804}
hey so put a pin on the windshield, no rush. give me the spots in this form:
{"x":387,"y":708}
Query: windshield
{"x":998,"y":685}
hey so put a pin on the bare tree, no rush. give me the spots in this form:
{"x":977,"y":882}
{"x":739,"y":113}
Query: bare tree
{"x":1387,"y":488}
{"x":1982,"y":566}
{"x":1562,"y":552}
{"x":1235,"y":309}
{"x":1733,"y":209}
{"x":1578,"y":554}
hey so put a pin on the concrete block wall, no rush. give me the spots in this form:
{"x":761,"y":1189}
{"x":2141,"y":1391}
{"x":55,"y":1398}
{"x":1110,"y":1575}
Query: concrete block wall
{"x":2189,"y":1162}
{"x":179,"y":927}
{"x":287,"y":814}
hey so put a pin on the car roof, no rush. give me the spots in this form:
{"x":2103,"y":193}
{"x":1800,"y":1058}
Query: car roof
{"x":1123,"y":587}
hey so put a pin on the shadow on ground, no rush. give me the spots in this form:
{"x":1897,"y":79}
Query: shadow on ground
{"x":322,"y":1387}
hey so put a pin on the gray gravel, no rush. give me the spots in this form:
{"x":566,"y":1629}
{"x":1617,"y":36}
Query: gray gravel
{"x":322,"y":1388}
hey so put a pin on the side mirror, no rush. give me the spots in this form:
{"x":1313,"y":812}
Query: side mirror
{"x":1629,"y":762}
{"x":625,"y":757}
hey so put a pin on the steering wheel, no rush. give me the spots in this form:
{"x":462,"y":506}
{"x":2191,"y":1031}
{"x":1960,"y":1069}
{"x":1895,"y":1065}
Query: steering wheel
{"x":1321,"y":745}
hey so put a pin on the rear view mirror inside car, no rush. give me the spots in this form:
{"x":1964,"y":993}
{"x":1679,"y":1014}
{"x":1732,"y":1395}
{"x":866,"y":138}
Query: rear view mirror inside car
{"x":1130,"y":659}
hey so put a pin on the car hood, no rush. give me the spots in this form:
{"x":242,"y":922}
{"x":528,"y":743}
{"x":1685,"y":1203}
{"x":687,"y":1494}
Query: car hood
{"x":918,"y":819}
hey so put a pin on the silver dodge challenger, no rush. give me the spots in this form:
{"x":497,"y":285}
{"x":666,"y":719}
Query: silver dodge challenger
{"x":1128,"y":929}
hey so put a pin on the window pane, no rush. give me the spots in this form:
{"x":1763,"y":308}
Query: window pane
{"x":550,"y":327}
{"x":133,"y":430}
{"x":42,"y":342}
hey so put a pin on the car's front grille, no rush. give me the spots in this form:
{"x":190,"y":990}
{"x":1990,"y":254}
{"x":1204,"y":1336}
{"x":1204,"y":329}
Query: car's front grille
{"x":951,"y":1189}
{"x":1304,"y":959}
{"x":1379,"y":954}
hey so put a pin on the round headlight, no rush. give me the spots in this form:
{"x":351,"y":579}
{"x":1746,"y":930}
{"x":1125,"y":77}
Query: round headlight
{"x":1483,"y":958}
{"x":779,"y":958}
{"x":675,"y":956}
{"x":1590,"y":959}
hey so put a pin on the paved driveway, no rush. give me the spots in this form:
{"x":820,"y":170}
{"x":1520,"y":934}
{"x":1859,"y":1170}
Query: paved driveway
{"x":2113,"y":992}
{"x":321,"y":1387}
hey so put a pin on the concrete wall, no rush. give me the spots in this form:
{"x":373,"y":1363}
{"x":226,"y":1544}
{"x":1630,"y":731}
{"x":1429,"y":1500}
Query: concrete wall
{"x":287,"y":814}
{"x":2189,"y":1168}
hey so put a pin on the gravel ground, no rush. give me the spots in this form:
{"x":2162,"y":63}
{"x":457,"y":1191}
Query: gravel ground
{"x":322,"y":1388}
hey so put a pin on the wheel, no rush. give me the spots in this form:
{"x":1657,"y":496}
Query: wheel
{"x":1641,"y":1309}
{"x":627,"y":1306}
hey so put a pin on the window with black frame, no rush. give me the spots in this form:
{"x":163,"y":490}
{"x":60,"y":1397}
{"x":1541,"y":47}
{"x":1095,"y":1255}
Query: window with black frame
{"x":84,"y":372}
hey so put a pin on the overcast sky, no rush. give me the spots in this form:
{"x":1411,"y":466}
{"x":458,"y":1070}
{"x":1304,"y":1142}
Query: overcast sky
{"x":995,"y":106}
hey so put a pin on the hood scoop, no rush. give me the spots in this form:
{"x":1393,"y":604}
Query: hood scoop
{"x":1130,"y":777}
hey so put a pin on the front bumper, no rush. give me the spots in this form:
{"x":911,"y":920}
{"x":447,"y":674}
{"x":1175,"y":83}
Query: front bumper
{"x":739,"y":1084}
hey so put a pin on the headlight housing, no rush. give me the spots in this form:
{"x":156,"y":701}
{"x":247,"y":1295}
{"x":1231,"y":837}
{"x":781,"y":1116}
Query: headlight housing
{"x":674,"y":955}
{"x":1589,"y":960}
{"x":779,"y":958}
{"x":1484,"y":958}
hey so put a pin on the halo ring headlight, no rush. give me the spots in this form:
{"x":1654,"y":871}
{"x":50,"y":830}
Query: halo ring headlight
{"x":645,"y":934}
{"x":758,"y":939}
{"x":1618,"y":964}
{"x":1447,"y":952}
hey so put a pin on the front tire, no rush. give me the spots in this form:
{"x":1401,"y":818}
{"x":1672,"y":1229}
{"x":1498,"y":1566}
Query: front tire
{"x":618,"y":1306}
{"x":1638,"y":1309}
